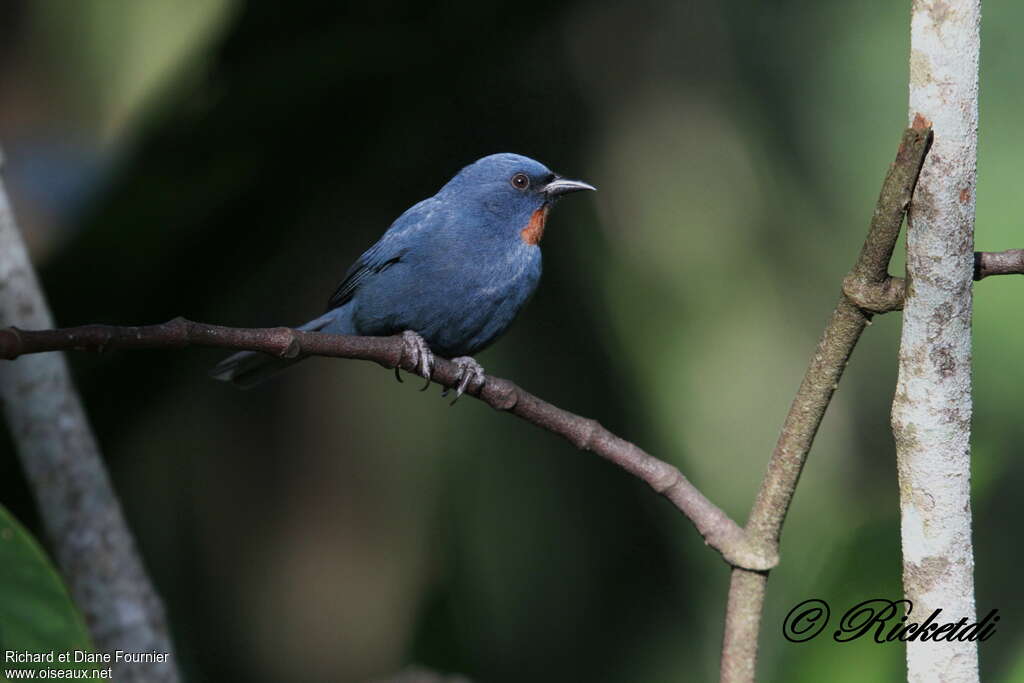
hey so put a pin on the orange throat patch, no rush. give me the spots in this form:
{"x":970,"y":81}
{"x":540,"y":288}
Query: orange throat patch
{"x":534,"y":230}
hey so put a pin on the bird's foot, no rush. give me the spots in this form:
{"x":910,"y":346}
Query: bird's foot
{"x":422,"y":357}
{"x":471,"y":373}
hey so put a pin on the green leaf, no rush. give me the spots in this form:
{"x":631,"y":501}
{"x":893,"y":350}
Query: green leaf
{"x":36,"y":612}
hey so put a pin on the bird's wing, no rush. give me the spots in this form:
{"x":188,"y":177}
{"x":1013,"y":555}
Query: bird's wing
{"x":389,"y":249}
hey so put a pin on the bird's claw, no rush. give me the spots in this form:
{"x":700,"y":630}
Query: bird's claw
{"x":470,"y":373}
{"x":422,"y":357}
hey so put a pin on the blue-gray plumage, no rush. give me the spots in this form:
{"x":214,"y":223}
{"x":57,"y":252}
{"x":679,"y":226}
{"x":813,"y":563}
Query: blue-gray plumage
{"x":450,"y":274}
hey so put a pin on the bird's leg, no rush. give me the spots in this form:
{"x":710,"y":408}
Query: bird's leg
{"x":470,"y":373}
{"x":421,"y":355}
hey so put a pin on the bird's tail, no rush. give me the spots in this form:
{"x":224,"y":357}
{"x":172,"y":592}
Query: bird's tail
{"x":246,"y":369}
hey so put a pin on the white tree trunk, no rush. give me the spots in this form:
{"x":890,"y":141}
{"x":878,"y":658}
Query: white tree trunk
{"x":931,"y":414}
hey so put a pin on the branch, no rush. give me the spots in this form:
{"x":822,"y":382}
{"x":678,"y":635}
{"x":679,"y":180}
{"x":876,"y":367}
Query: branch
{"x":62,"y":463}
{"x":1010,"y":262}
{"x":888,"y":294}
{"x":718,"y":530}
{"x":868,"y":289}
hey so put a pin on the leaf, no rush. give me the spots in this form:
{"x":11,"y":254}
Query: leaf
{"x":36,"y":612}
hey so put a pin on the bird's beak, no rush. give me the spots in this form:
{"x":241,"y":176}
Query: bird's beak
{"x":559,"y":186}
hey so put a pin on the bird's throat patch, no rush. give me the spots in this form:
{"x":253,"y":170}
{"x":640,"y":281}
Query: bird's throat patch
{"x":534,"y":230}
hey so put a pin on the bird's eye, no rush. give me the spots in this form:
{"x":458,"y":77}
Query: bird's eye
{"x":520,"y":181}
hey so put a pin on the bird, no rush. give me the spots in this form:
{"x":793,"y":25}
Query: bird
{"x":449,"y":275}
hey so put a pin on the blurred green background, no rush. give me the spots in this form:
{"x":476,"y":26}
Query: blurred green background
{"x":226,"y":161}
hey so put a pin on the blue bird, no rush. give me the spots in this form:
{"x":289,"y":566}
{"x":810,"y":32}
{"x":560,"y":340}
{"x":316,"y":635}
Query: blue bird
{"x":450,"y":275}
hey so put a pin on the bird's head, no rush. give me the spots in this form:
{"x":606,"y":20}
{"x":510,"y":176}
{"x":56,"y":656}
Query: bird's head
{"x":512,"y":192}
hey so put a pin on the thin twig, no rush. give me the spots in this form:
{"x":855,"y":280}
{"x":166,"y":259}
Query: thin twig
{"x":867,"y":290}
{"x":718,"y":530}
{"x":1009,"y":262}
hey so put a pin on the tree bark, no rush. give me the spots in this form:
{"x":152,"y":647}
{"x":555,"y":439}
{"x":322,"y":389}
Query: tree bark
{"x":931,"y":415}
